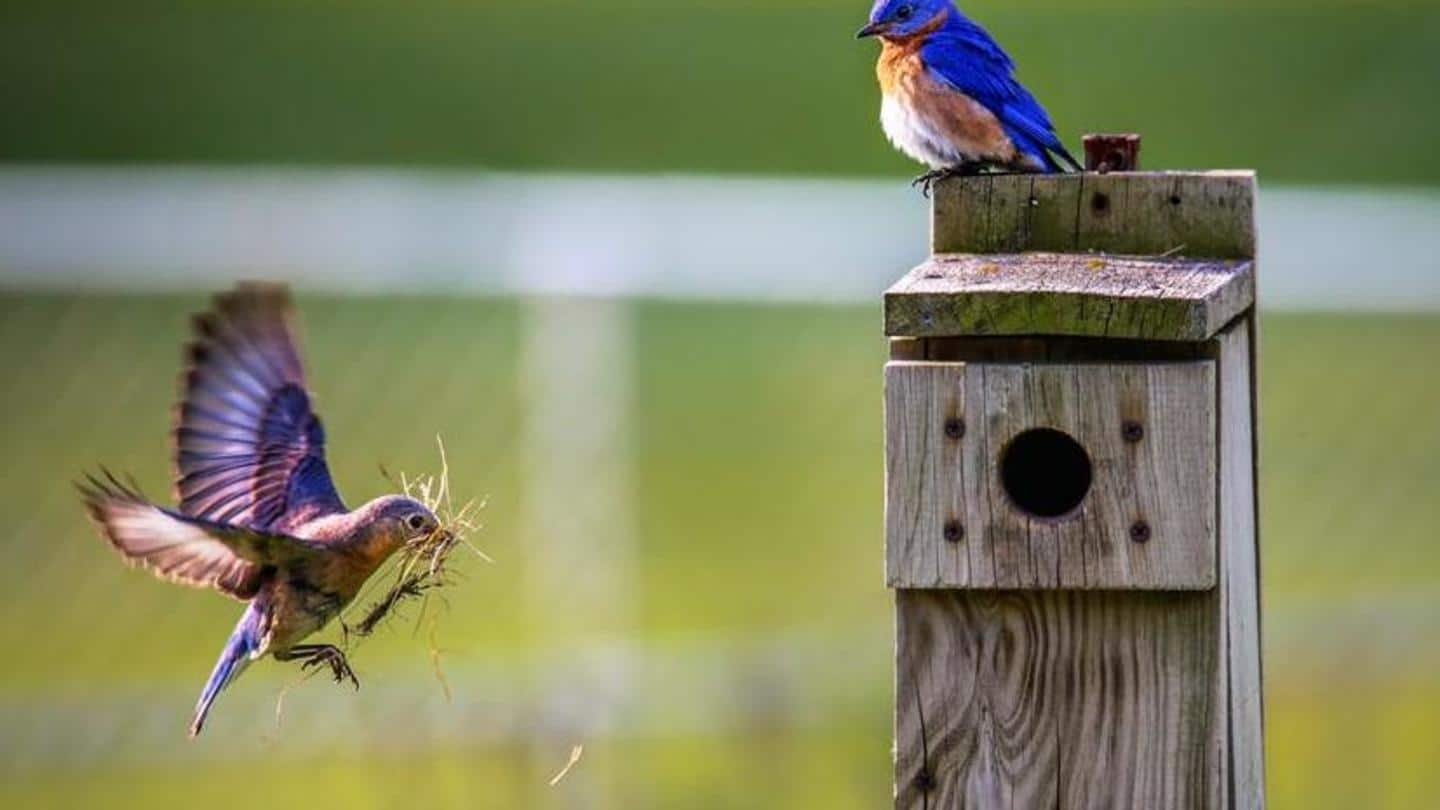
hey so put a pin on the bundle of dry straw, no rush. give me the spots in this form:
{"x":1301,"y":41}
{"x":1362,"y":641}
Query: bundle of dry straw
{"x":424,"y":564}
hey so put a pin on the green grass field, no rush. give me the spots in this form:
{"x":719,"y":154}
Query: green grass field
{"x":756,"y":449}
{"x":1339,"y":92}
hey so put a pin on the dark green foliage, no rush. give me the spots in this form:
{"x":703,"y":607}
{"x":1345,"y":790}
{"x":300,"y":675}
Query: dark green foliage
{"x":1335,"y":94}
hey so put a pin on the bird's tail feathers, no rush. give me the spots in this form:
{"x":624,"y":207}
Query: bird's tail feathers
{"x":1041,"y":149}
{"x":239,"y":650}
{"x":1064,"y":154}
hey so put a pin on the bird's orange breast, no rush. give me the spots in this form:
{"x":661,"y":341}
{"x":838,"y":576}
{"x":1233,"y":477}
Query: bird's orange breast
{"x":965,"y":123}
{"x":899,"y":66}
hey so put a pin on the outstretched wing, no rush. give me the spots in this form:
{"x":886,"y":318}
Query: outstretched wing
{"x":968,"y":59}
{"x":248,"y":449}
{"x":183,"y":549}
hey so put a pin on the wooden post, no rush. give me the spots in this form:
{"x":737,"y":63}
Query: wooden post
{"x":1070,"y":496}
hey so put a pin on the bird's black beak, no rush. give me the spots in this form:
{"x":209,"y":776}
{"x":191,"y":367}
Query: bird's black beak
{"x":871,"y":29}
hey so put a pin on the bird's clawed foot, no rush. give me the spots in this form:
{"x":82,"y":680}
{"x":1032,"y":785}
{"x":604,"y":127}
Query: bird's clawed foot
{"x":927,"y":181}
{"x":314,"y":655}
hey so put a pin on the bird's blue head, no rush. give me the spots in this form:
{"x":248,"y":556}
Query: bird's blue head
{"x":401,"y":517}
{"x":897,"y":19}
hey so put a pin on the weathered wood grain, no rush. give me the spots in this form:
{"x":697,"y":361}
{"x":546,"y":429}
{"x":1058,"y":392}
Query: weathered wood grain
{"x":1166,"y":478}
{"x":1204,"y":214}
{"x":955,"y":295}
{"x":1239,"y":574}
{"x":977,"y":700}
{"x":1137,"y":706}
{"x":1056,"y":699}
{"x":919,"y":402}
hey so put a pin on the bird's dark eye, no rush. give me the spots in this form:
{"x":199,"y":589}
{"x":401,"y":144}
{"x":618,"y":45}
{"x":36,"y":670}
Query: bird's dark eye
{"x":904,"y":12}
{"x":416,"y":522}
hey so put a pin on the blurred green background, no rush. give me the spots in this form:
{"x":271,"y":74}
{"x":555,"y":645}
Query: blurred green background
{"x":753,"y":645}
{"x":1332,"y":91}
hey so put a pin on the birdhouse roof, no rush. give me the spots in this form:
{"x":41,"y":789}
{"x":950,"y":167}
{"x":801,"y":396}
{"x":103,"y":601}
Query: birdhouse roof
{"x":1136,"y":255}
{"x":965,"y":295}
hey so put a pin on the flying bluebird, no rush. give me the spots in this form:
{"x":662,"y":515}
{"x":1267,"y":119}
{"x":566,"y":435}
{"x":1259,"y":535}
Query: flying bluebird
{"x":259,"y":518}
{"x":950,"y":98}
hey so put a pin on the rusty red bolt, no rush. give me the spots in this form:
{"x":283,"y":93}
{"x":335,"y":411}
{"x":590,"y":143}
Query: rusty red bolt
{"x":1118,"y":152}
{"x":1140,"y":531}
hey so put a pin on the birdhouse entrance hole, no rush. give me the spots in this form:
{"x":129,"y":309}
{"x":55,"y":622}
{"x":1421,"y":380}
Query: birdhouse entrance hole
{"x":1045,"y":472}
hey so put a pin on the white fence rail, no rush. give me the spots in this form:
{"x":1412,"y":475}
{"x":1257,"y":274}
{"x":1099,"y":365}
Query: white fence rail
{"x":664,"y":236}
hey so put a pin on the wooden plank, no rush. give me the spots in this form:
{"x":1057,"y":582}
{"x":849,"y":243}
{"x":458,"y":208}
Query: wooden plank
{"x":1002,"y":533}
{"x":1240,"y":568}
{"x":1052,"y":393}
{"x":919,"y":402}
{"x":1205,"y":214}
{"x":1165,"y":477}
{"x":1138,"y":687}
{"x":976,"y":694}
{"x":1156,"y":299}
{"x":976,"y":477}
{"x":1056,"y":699}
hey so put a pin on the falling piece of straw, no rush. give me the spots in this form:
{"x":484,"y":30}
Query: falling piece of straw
{"x":574,"y":758}
{"x":435,"y":652}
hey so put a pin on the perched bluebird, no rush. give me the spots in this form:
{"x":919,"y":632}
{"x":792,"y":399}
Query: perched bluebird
{"x":951,"y":100}
{"x":259,"y":518}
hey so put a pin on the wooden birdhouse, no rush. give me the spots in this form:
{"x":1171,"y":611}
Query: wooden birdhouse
{"x":1070,"y":496}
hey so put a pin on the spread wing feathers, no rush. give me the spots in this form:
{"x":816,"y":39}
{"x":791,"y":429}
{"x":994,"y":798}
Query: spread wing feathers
{"x":183,"y":549}
{"x":966,"y":57}
{"x":249,"y":451}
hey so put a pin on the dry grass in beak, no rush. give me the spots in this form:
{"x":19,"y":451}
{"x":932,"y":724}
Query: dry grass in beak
{"x":424,"y":562}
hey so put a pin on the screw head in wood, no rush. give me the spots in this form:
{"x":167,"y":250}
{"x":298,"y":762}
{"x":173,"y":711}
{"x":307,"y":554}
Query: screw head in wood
{"x":1140,"y":531}
{"x":924,"y":780}
{"x":954,"y":532}
{"x":1132,"y":431}
{"x":955,"y":427}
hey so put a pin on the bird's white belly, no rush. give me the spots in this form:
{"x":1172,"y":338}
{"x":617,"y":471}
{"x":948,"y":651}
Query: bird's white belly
{"x":912,"y":135}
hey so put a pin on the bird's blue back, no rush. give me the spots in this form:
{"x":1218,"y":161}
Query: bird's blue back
{"x":966,"y":57}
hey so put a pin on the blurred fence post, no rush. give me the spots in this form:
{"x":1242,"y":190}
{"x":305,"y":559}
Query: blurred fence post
{"x":579,"y":526}
{"x":1070,"y":496}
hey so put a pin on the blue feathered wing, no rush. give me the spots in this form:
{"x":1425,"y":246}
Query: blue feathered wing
{"x":964,"y":56}
{"x":189,"y":550}
{"x":249,"y":450}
